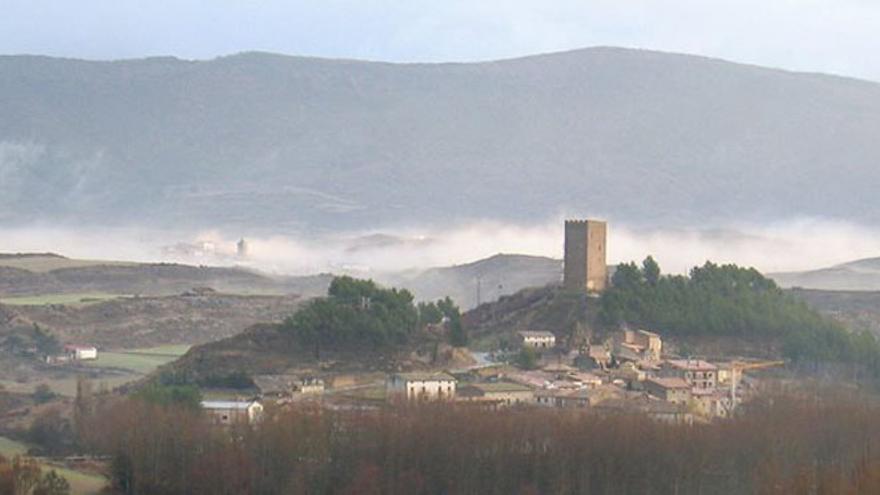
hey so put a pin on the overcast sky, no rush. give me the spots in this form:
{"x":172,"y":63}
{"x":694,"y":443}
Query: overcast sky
{"x":835,"y":36}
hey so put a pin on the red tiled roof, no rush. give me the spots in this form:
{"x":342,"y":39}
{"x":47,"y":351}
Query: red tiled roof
{"x":670,"y":382}
{"x":692,"y":364}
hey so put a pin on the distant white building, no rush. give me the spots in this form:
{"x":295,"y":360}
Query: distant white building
{"x":537,"y":339}
{"x":420,"y":386}
{"x":80,"y":352}
{"x":227,"y":412}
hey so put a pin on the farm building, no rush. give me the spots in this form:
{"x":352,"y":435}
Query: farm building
{"x":80,"y":352}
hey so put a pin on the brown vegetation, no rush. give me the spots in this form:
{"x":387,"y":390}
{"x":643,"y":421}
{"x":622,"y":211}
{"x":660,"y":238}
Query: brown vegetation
{"x":24,"y":476}
{"x":785,"y":444}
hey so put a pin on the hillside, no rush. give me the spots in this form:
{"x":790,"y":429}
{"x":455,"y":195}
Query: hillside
{"x":859,"y":275}
{"x":359,"y":326}
{"x":858,"y":310}
{"x":571,"y":316}
{"x":39,"y":274}
{"x":493,"y":277}
{"x":271,"y":143}
{"x":151,"y":321}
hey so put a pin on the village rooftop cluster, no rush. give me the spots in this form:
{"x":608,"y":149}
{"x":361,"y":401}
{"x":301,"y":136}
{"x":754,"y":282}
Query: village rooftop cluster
{"x":629,"y":372}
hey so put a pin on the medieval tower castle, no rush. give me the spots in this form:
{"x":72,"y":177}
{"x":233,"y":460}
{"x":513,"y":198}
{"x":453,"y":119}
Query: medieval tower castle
{"x":585,"y":265}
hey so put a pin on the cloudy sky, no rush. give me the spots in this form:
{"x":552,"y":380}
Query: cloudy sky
{"x":835,"y":36}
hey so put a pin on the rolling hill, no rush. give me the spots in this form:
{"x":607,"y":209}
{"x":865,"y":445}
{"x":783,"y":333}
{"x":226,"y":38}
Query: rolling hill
{"x":493,"y":277}
{"x":859,"y":275}
{"x":41,"y":274}
{"x":270,"y":143}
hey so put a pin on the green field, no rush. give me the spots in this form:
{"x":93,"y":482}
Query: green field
{"x":67,"y":386}
{"x":174,"y":350}
{"x":80,"y":483}
{"x":11,"y":448}
{"x":140,"y":361}
{"x":74,"y":299}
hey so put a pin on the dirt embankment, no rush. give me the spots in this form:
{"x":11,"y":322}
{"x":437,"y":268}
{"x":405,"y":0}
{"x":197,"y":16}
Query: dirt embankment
{"x":570,"y":316}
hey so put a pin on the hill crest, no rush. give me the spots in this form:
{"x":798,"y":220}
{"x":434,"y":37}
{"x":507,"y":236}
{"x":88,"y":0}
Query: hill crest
{"x":269,"y":143}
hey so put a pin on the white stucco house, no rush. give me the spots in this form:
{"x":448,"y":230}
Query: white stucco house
{"x":420,"y":386}
{"x":77,"y":352}
{"x":537,"y":339}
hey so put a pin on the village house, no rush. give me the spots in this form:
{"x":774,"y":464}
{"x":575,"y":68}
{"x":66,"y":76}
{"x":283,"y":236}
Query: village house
{"x":310,"y":385}
{"x":700,"y":374}
{"x":537,"y":339}
{"x":584,"y":380}
{"x":533,"y":379}
{"x":420,"y":386}
{"x":227,"y":412}
{"x":598,"y":357}
{"x":498,"y":394}
{"x":658,"y":410}
{"x":631,"y":374}
{"x":563,"y":398}
{"x":712,"y":403}
{"x":668,"y":412}
{"x":638,"y":344}
{"x":671,"y":389}
{"x":76,"y":352}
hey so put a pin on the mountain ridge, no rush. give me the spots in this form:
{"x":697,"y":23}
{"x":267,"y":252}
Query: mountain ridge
{"x":275,"y":143}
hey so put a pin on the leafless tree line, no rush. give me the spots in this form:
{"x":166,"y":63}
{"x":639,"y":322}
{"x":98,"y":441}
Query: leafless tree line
{"x":782,"y":444}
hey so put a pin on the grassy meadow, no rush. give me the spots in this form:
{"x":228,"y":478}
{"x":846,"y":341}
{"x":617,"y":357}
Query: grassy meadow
{"x":80,"y":483}
{"x":131,"y":364}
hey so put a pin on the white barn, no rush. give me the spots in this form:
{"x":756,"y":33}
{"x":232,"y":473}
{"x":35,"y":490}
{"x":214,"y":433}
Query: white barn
{"x":81,"y":352}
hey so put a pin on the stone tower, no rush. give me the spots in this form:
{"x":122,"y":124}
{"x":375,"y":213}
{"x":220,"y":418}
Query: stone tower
{"x":242,"y":249}
{"x":585,"y":266}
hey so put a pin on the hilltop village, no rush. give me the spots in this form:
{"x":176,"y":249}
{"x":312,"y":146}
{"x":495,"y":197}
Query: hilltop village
{"x":628,"y":370}
{"x":208,"y":371}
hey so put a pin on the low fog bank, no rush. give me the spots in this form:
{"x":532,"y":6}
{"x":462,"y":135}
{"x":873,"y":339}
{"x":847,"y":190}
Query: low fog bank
{"x":793,"y":245}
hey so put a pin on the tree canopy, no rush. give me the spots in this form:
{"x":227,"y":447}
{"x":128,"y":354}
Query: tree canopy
{"x":355,"y":314}
{"x":728,"y":300}
{"x":359,"y":314}
{"x":436,"y":312}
